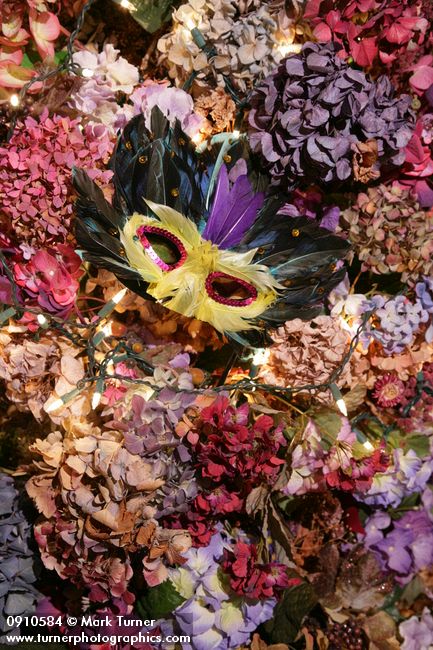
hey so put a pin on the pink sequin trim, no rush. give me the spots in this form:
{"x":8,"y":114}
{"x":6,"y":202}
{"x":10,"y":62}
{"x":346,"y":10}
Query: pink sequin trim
{"x":231,"y":302}
{"x":141,"y":233}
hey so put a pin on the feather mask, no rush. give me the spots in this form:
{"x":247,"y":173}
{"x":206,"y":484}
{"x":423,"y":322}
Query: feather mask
{"x":187,"y":230}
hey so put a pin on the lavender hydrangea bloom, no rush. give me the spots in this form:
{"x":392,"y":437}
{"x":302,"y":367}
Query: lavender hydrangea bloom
{"x":110,"y":74}
{"x":417,"y":632}
{"x":424,"y":291}
{"x":409,"y":475}
{"x":18,"y":594}
{"x":400,"y":319}
{"x":406,"y":548}
{"x":174,"y":103}
{"x":308,"y":116}
{"x":213,"y":618}
{"x":149,"y":429}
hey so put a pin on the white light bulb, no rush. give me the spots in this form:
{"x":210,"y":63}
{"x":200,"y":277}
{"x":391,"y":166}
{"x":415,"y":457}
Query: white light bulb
{"x":261,"y":356}
{"x":197,"y":138}
{"x":96,"y":398}
{"x":341,"y":405}
{"x":87,"y":72}
{"x":338,"y":397}
{"x":288,"y":48}
{"x":14,"y":100}
{"x":236,"y":133}
{"x":127,"y":5}
{"x":191,"y":23}
{"x":118,"y":297}
{"x":107,"y":329}
{"x":368,"y":445}
{"x":54,"y":406}
{"x":41,"y":319}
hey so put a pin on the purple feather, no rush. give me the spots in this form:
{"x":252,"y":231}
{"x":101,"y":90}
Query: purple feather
{"x":233,"y":212}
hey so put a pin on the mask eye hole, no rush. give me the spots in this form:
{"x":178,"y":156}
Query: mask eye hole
{"x":166,"y":250}
{"x":230,"y":290}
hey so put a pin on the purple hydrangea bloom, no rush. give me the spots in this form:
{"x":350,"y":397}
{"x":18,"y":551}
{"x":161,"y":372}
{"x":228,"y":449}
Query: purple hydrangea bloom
{"x":424,"y":292}
{"x":211,"y":615}
{"x":406,"y":547}
{"x":400,"y":319}
{"x":408,"y":475}
{"x":417,"y":632}
{"x":308,"y":116}
{"x":18,"y":594}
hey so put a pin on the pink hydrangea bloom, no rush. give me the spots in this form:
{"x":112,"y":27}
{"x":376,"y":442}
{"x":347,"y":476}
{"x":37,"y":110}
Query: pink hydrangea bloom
{"x":417,"y":170}
{"x":323,"y":460}
{"x":369,"y":30}
{"x":36,"y":175}
{"x":50,"y":279}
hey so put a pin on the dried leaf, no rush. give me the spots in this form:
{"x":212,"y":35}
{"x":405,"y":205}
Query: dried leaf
{"x":289,"y":613}
{"x":355,"y":397}
{"x":259,"y":644}
{"x":256,"y":499}
{"x":381,"y":630}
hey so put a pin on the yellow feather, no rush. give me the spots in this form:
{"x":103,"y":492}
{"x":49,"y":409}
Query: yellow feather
{"x":183,"y":289}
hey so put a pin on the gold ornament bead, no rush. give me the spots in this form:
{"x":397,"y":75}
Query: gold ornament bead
{"x":332,"y":267}
{"x":113,"y":231}
{"x":172,"y":154}
{"x":287,"y":283}
{"x":122,"y":252}
{"x":128,"y":144}
{"x":174,"y":192}
{"x":227,"y":158}
{"x":197,"y":376}
{"x":181,"y":142}
{"x":321,"y":290}
{"x":296,"y":232}
{"x":143,"y":159}
{"x":137,"y":348}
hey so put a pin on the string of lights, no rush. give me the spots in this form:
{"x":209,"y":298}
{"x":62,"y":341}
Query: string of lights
{"x":89,"y":336}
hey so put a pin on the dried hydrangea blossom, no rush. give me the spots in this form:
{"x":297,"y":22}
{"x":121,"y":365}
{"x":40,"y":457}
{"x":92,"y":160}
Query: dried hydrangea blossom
{"x":97,"y":503}
{"x":397,"y":321}
{"x":174,"y":103}
{"x":370,"y":31}
{"x":307,"y":353}
{"x":211,"y":613}
{"x":310,"y":115}
{"x":107,"y":76}
{"x":18,"y":566}
{"x":29,"y":369}
{"x":156,"y":324}
{"x":367,"y":365}
{"x":246,"y":37}
{"x":219,"y":110}
{"x":390,"y":233}
{"x":36,"y":179}
{"x":323,"y":460}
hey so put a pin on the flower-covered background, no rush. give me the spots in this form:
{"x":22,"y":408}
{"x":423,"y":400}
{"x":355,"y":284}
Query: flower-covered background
{"x":278,"y":498}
